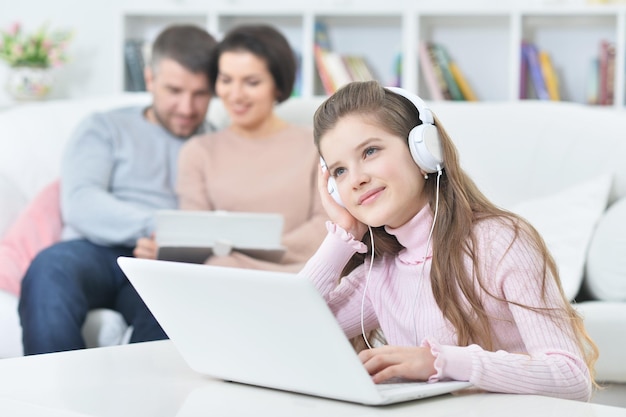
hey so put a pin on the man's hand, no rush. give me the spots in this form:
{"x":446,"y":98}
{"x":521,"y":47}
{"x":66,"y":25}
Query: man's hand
{"x":146,"y":248}
{"x":386,"y":362}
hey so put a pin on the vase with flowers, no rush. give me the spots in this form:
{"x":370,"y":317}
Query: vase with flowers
{"x":31,"y":58}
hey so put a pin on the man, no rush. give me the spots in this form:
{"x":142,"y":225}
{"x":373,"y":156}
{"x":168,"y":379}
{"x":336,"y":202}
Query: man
{"x":118,"y":168}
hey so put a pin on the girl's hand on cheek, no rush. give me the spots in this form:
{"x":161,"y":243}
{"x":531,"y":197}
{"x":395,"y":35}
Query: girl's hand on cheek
{"x":406,"y":362}
{"x":337,"y":213}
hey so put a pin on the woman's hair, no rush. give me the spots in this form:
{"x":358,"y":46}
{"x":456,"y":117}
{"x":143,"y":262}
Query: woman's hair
{"x":266,"y":43}
{"x":188,"y":45}
{"x":461,"y":206}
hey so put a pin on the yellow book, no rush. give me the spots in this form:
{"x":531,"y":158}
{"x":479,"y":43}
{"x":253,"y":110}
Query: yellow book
{"x":461,"y":81}
{"x":549,"y":76}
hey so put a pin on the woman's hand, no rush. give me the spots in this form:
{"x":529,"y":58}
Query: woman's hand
{"x":406,"y":362}
{"x":337,"y":213}
{"x":146,"y":247}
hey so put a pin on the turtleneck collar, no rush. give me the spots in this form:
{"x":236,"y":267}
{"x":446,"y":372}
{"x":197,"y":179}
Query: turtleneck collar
{"x":413,"y":235}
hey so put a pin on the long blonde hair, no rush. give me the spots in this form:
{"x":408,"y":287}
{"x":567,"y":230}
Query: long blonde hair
{"x":461,"y":206}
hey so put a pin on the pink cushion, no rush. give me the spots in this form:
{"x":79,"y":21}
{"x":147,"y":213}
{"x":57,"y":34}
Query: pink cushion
{"x":36,"y":228}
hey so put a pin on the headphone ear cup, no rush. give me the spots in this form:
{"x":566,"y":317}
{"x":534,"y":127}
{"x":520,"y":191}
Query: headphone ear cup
{"x":334,"y":191}
{"x":332,"y":184}
{"x":425,"y":147}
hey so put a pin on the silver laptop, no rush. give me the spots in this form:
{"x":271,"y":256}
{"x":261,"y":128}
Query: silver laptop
{"x":193,"y":236}
{"x":261,"y":328}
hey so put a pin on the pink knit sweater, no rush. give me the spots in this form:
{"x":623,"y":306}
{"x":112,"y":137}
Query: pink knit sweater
{"x":533,"y":354}
{"x":274,"y":174}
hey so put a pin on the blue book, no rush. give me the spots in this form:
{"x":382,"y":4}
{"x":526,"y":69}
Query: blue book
{"x":321,"y":36}
{"x":534,"y":67}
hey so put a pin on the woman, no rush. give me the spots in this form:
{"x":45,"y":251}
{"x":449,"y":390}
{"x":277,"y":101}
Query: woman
{"x":459,"y":288}
{"x":260,"y":162}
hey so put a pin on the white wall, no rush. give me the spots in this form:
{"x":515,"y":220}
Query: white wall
{"x":95,"y":50}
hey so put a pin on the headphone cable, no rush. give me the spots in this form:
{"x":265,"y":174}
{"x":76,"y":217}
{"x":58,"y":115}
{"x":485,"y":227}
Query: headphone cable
{"x":367,"y":281}
{"x":430,"y":235}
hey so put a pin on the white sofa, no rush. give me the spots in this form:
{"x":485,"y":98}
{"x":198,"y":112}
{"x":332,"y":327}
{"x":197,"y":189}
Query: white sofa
{"x":559,"y":164}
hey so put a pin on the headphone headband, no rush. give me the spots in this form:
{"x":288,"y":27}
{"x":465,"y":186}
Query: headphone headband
{"x":425,"y":115}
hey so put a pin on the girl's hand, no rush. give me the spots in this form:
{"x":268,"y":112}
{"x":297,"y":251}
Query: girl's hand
{"x":337,"y":213}
{"x":146,"y":247}
{"x":407,"y":362}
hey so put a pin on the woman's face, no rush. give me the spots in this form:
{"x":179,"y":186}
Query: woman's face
{"x":246,"y":88}
{"x":376,"y":176}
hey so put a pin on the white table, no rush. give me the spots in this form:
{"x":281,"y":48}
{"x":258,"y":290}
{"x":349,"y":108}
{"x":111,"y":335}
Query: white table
{"x":151,"y":379}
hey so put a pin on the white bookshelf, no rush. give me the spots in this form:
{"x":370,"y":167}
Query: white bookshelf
{"x":484,"y":40}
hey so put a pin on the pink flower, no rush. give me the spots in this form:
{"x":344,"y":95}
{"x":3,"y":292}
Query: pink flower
{"x":46,"y":45}
{"x":17,"y":49}
{"x":14,"y":29}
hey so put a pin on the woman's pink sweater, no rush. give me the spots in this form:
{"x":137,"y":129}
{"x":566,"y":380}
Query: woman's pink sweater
{"x":273,"y":174}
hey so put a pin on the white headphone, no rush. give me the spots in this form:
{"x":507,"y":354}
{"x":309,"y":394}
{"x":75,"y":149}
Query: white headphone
{"x":424,"y":141}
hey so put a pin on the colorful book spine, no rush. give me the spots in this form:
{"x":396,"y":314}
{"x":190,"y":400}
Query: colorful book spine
{"x":534,"y":67}
{"x":444,"y":63}
{"x":133,"y":55}
{"x":322,"y":70}
{"x":429,"y":71}
{"x":592,"y":82}
{"x":337,"y":69}
{"x":397,"y":70}
{"x":441,"y":81}
{"x":549,"y":75}
{"x":610,"y":74}
{"x":523,"y":72}
{"x":321,"y":35}
{"x":606,"y":73}
{"x":358,"y":68}
{"x":461,"y":81}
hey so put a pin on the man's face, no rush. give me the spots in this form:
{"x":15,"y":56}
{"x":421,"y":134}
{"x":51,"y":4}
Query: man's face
{"x":180,"y":97}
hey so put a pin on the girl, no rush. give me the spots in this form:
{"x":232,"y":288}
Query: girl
{"x":459,"y":288}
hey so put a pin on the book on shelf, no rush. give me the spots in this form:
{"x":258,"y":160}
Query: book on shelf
{"x":601,"y":81}
{"x":397,"y":70}
{"x":523,"y":71}
{"x":441,"y":81}
{"x":531,"y":58}
{"x":432,"y":75}
{"x":606,"y":73}
{"x":358,"y":68}
{"x":322,"y":69}
{"x":466,"y":90}
{"x":321,"y":49}
{"x":134,"y":63}
{"x":442,"y":60}
{"x":334,"y":69}
{"x":321,"y":37}
{"x":610,"y":74}
{"x":443,"y":76}
{"x":549,"y":75}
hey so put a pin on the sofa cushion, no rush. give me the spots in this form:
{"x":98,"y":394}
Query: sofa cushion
{"x":37,"y":227}
{"x":566,"y":221}
{"x":606,"y":261}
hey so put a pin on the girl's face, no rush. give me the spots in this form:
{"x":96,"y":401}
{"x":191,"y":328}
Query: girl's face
{"x":378,"y":181}
{"x":246,"y":88}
